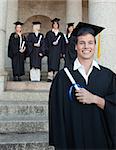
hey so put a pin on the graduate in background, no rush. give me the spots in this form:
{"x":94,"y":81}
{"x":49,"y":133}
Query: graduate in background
{"x":35,"y":45}
{"x":84,"y":118}
{"x":16,"y":51}
{"x":55,"y":48}
{"x":70,"y":45}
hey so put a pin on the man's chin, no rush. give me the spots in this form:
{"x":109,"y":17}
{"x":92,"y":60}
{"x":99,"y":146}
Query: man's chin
{"x":87,"y":57}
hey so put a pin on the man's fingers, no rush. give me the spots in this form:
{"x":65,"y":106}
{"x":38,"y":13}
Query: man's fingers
{"x":79,"y":98}
{"x":78,"y":94}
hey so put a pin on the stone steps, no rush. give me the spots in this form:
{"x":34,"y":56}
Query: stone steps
{"x":24,"y":96}
{"x":23,"y":124}
{"x":26,"y":91}
{"x":33,"y":141}
{"x":28,"y":86}
{"x":39,"y":108}
{"x":24,"y":116}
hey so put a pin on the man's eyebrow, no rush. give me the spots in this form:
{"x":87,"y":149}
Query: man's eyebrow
{"x":85,"y":40}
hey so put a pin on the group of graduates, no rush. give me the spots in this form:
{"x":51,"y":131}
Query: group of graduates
{"x":55,"y":45}
{"x":82,"y":102}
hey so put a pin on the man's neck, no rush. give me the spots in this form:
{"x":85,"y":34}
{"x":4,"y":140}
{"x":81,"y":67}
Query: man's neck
{"x":86,"y":63}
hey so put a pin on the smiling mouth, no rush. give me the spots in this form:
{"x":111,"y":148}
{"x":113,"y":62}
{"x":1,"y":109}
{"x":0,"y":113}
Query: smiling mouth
{"x":86,"y":51}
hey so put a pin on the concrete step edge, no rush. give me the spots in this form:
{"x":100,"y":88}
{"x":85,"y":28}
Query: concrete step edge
{"x":22,"y":103}
{"x":12,"y":138}
{"x":23,"y":118}
{"x":24,"y":96}
{"x":28,"y":85}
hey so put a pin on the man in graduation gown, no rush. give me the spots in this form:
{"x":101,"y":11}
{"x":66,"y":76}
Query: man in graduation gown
{"x":71,"y":53}
{"x":16,"y":51}
{"x":35,"y":45}
{"x":83,"y":118}
{"x":55,"y":48}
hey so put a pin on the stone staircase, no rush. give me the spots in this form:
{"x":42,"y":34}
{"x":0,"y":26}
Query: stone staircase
{"x":24,"y":116}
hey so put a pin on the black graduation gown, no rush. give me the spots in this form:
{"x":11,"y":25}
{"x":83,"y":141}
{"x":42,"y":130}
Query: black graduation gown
{"x":16,"y":56}
{"x":54,"y":52}
{"x":73,"y":125}
{"x":71,"y":53}
{"x":33,"y":52}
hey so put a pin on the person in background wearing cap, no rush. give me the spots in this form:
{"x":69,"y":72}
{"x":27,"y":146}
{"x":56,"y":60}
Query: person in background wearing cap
{"x":55,"y":48}
{"x":35,"y":51}
{"x":16,"y":51}
{"x":70,"y":45}
{"x":85,"y":118}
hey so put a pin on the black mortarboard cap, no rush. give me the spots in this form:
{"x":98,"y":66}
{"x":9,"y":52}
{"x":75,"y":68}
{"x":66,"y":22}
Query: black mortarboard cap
{"x":36,"y":22}
{"x":18,"y":23}
{"x":82,"y":28}
{"x":70,"y":24}
{"x":55,"y":20}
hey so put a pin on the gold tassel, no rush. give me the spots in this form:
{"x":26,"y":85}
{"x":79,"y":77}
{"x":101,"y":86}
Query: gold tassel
{"x":99,"y":47}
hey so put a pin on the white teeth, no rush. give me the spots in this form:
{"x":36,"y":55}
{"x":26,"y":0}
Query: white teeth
{"x":86,"y":52}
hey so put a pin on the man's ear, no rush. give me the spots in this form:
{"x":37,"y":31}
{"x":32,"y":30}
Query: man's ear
{"x":76,"y":47}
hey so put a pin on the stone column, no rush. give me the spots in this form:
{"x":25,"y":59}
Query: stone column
{"x":3,"y":15}
{"x":12,"y":16}
{"x":102,"y":13}
{"x":73,"y":11}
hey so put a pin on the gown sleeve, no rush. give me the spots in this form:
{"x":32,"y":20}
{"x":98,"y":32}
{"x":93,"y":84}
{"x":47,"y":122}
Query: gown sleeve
{"x":47,"y":43}
{"x":110,"y":110}
{"x":56,"y":118}
{"x":13,"y":46}
{"x":9,"y":48}
{"x":29,"y":44}
{"x":71,"y":52}
{"x":63,"y":46}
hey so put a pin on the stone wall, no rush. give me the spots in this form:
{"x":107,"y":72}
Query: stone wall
{"x":33,"y":10}
{"x":42,"y":10}
{"x":28,"y":11}
{"x":85,"y":10}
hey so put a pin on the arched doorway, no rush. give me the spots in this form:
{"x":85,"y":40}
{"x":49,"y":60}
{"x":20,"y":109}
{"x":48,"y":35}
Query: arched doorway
{"x":45,"y":26}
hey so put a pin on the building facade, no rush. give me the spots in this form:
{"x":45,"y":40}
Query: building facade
{"x":99,"y":12}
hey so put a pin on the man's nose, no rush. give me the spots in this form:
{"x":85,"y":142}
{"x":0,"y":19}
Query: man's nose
{"x":86,"y":45}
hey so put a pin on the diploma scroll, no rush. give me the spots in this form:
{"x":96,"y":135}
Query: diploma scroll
{"x":71,"y":78}
{"x":58,"y":38}
{"x":39,"y":40}
{"x":56,"y":42}
{"x":66,"y":39}
{"x":22,"y":46}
